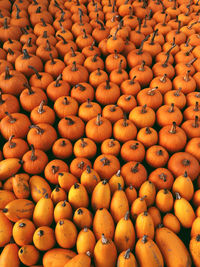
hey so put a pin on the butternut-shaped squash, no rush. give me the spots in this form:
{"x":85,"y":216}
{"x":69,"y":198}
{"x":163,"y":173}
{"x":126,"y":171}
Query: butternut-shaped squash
{"x":105,"y":253}
{"x":85,"y":241}
{"x":39,"y":187}
{"x":9,"y":167}
{"x":9,"y":256}
{"x":103,"y":223}
{"x":5,"y":229}
{"x":79,"y":260}
{"x":184,"y":211}
{"x":194,"y":247}
{"x":148,"y":253}
{"x":101,"y":196}
{"x":57,"y":257}
{"x":144,"y":225}
{"x":5,"y":198}
{"x":43,"y":212}
{"x":124,"y":237}
{"x":126,"y":259}
{"x":119,"y":204}
{"x":18,"y":209}
{"x":28,"y":255}
{"x":172,"y":248}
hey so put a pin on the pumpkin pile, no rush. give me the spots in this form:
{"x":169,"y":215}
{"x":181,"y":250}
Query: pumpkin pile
{"x":100,"y":133}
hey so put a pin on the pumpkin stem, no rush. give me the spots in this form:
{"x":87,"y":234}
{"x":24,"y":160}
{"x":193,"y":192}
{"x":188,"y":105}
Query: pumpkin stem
{"x":48,"y":46}
{"x":153,"y":37}
{"x":84,"y":34}
{"x":163,"y":177}
{"x":53,"y":62}
{"x":63,"y":143}
{"x":1,"y":100}
{"x":94,"y":59}
{"x":39,"y":76}
{"x":83,"y":143}
{"x":134,"y":169}
{"x":91,"y":48}
{"x":104,"y":182}
{"x":33,"y":156}
{"x":140,"y":50}
{"x":134,"y":146}
{"x":148,"y":131}
{"x":76,"y":186}
{"x":11,"y":143}
{"x":152,"y":91}
{"x":197,"y":238}
{"x":125,"y":123}
{"x":107,"y":84}
{"x":73,"y":54}
{"x":59,"y":78}
{"x":98,"y":120}
{"x":186,"y":162}
{"x":144,"y":109}
{"x":187,"y":76}
{"x":105,"y":161}
{"x":98,"y":73}
{"x":171,"y":109}
{"x":80,"y":13}
{"x":177,"y":196}
{"x":164,"y":21}
{"x":113,"y":108}
{"x":70,"y":121}
{"x":38,"y":10}
{"x":179,"y":27}
{"x":139,"y":25}
{"x":173,"y":128}
{"x":165,"y":64}
{"x":111,"y":143}
{"x":10,"y":51}
{"x":25,"y":54}
{"x":88,"y":105}
{"x":141,"y":68}
{"x":64,"y":203}
{"x":82,"y":87}
{"x":74,"y":67}
{"x":45,"y":35}
{"x":61,"y":27}
{"x":7,"y":73}
{"x":101,"y":24}
{"x":185,"y":174}
{"x":63,"y":39}
{"x":5,"y":23}
{"x":127,"y":254}
{"x":189,"y":51}
{"x":39,"y":129}
{"x":1,"y":16}
{"x":120,"y":67}
{"x":54,"y":169}
{"x":62,"y":17}
{"x":144,"y":239}
{"x":126,"y":217}
{"x":163,"y":78}
{"x":30,"y":90}
{"x":165,"y":191}
{"x":88,"y":169}
{"x":43,"y":22}
{"x":132,"y":81}
{"x":196,"y":122}
{"x":159,"y":152}
{"x":11,"y":119}
{"x":29,"y":44}
{"x":177,"y":92}
{"x":196,"y":108}
{"x":189,"y":64}
{"x":118,"y":174}
{"x":104,"y":240}
{"x":65,"y":101}
{"x":170,"y":49}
